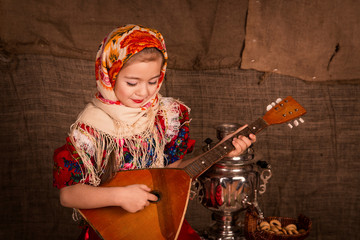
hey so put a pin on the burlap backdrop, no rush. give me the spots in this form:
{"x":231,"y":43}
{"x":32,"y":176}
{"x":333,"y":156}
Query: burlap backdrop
{"x":312,"y":40}
{"x":47,"y":78}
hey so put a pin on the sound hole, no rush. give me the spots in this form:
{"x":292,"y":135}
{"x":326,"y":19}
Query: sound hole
{"x":157,"y":194}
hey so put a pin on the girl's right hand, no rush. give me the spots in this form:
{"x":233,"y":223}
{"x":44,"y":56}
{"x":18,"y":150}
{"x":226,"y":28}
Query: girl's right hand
{"x":134,"y":198}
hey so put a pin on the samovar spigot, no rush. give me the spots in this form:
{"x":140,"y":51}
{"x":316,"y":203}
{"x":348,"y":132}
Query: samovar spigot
{"x":254,"y":204}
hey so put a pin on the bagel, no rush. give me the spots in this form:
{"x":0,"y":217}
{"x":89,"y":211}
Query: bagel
{"x":290,"y":227}
{"x":264,"y":223}
{"x":275,"y":222}
{"x":294,"y":231}
{"x":274,"y":228}
{"x":265,"y":228}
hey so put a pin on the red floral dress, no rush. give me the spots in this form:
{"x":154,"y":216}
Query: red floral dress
{"x":68,"y":166}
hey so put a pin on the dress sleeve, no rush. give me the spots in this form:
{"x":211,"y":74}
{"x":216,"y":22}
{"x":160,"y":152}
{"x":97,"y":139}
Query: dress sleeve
{"x":182,"y":143}
{"x":67,"y":169}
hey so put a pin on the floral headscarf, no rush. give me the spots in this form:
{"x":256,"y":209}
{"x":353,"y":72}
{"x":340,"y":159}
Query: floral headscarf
{"x":117,"y":48}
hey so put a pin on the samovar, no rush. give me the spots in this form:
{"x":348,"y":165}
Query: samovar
{"x":229,"y":187}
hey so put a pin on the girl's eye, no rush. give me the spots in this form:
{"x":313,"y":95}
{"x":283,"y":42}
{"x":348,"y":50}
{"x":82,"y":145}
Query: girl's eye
{"x":131,"y":84}
{"x":153,"y":82}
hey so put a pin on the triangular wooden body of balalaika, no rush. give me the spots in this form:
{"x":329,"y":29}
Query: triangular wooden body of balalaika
{"x":160,"y":220}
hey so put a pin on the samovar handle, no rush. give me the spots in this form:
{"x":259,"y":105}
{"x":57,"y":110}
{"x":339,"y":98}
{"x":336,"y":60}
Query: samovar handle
{"x":196,"y":190}
{"x":265,"y":176}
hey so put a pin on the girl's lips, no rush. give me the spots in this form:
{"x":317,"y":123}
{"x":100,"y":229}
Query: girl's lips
{"x":137,"y":101}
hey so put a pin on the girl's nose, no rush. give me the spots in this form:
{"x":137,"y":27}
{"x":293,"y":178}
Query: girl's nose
{"x":142,"y":91}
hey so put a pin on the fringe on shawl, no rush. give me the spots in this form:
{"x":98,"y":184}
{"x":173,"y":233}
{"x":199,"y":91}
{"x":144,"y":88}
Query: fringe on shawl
{"x":93,"y":143}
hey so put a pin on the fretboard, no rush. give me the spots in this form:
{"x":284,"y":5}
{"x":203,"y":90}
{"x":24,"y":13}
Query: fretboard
{"x":215,"y":154}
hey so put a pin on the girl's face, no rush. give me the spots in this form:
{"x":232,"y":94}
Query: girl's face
{"x":137,"y":82}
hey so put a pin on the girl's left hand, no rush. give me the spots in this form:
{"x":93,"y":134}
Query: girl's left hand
{"x":241,"y":143}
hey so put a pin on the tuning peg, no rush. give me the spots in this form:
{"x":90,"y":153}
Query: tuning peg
{"x":273,"y":104}
{"x":296,"y":123}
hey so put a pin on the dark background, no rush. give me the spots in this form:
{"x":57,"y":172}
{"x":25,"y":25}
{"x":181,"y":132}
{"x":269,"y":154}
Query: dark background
{"x":228,"y":61}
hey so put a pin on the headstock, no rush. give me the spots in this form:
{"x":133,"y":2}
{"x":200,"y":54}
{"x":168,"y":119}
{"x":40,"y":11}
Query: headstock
{"x":282,"y":111}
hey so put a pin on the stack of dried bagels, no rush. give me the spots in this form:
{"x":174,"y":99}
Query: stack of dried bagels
{"x":274,"y":226}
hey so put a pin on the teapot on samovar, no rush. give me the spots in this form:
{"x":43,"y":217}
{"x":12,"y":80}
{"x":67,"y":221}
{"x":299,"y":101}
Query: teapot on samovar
{"x":230,"y":186}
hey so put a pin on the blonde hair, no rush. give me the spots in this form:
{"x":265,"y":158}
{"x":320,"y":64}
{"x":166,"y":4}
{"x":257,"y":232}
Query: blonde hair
{"x":146,"y":55}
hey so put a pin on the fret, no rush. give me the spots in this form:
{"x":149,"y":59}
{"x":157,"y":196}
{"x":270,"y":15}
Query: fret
{"x":253,"y":128}
{"x":245,"y":132}
{"x":257,"y":126}
{"x":227,"y":146}
{"x":190,"y":170}
{"x":219,"y":151}
{"x":197,"y":166}
{"x":193,"y":168}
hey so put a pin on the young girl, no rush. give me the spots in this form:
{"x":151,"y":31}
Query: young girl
{"x":127,"y":125}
